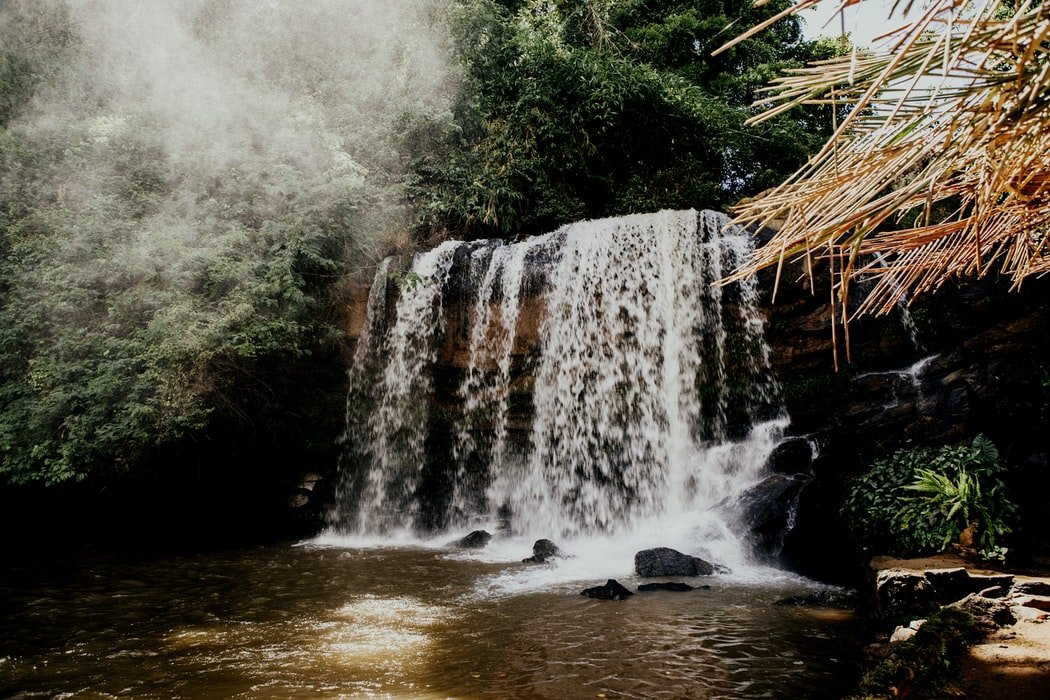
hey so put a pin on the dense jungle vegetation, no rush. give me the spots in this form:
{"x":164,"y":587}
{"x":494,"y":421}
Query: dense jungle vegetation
{"x":173,"y":242}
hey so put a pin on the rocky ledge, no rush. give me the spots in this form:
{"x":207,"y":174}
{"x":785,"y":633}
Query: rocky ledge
{"x":1012,"y":610}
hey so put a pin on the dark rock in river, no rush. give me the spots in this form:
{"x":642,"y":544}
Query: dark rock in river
{"x":766,"y":509}
{"x":542,"y":551}
{"x":664,"y":586}
{"x":612,"y":590}
{"x":475,"y":540}
{"x":664,"y":561}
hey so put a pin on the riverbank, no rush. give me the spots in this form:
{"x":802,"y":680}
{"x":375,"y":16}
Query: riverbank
{"x":1013,"y":660}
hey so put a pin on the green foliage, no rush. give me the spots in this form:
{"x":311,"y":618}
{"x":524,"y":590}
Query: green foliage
{"x":924,"y":665}
{"x":122,"y":328}
{"x":407,"y":281}
{"x":36,"y":41}
{"x":587,"y":108}
{"x":919,"y":501}
{"x":152,"y":299}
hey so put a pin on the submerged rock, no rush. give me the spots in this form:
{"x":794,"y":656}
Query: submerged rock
{"x":542,"y":551}
{"x":842,"y":600}
{"x":664,"y":586}
{"x":612,"y":590}
{"x":664,"y":561}
{"x":475,"y":540}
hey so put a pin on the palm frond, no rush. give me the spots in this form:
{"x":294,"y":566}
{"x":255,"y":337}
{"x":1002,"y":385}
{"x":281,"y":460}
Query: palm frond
{"x":949,"y":126}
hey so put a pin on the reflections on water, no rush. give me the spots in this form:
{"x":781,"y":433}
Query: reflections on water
{"x":317,"y":621}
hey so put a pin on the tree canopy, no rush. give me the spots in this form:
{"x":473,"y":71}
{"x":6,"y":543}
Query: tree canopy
{"x":181,"y":193}
{"x":181,"y":199}
{"x":587,"y":108}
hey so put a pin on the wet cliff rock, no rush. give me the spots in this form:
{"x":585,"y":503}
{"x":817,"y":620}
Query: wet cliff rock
{"x":966,"y":360}
{"x":971,"y":358}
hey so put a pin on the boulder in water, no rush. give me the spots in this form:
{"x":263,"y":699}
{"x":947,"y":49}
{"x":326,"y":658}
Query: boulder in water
{"x":664,"y":586}
{"x":475,"y":540}
{"x":612,"y":590}
{"x":664,"y":561}
{"x":766,"y":510}
{"x":542,"y":551}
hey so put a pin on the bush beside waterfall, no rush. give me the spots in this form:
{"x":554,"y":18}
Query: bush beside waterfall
{"x":920,"y":501}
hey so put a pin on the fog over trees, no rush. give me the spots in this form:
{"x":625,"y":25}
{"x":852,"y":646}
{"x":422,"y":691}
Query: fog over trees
{"x":184,"y":188}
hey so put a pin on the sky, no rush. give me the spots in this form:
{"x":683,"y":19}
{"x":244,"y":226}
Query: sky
{"x":864,"y":20}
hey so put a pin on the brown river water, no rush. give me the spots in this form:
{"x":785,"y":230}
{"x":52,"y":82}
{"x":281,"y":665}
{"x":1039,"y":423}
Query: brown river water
{"x":322,"y":621}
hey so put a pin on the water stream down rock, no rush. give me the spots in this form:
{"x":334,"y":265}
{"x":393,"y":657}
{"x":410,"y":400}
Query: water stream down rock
{"x":591,"y":381}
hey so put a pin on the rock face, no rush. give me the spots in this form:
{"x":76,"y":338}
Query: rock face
{"x":664,"y":561}
{"x":970,"y":368}
{"x":542,"y":551}
{"x":792,"y":456}
{"x":612,"y":590}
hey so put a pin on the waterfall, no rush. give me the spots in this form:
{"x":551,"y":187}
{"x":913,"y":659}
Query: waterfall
{"x":386,"y":418}
{"x":486,"y":390}
{"x":642,"y":401}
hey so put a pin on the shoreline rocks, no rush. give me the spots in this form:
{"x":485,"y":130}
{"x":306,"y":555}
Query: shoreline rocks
{"x":902,"y":592}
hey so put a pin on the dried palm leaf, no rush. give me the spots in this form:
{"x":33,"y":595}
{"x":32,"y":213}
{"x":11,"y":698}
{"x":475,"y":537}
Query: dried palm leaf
{"x":949,"y":129}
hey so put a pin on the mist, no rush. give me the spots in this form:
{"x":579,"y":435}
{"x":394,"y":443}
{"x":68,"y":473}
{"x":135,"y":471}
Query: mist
{"x":305,"y":97}
{"x":181,"y":184}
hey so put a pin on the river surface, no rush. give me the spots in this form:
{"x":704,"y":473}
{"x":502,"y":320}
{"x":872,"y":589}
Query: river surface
{"x":320,"y":620}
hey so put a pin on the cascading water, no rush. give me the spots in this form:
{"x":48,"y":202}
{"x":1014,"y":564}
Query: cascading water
{"x":487,"y":387}
{"x":386,"y":411}
{"x":649,"y":399}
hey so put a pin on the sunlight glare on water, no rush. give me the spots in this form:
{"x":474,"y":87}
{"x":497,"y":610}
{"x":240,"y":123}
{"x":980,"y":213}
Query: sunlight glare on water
{"x":407,"y":622}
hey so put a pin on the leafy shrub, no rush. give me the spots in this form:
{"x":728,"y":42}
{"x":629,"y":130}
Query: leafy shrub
{"x":919,"y":501}
{"x":590,"y":108}
{"x":926,"y":664}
